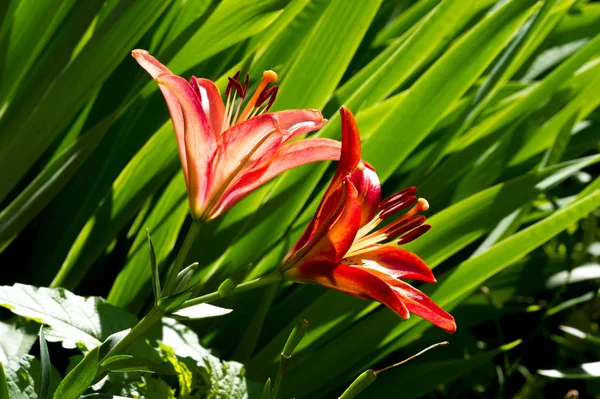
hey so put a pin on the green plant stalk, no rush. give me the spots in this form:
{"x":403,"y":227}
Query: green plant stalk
{"x":181,"y":256}
{"x":247,"y":286}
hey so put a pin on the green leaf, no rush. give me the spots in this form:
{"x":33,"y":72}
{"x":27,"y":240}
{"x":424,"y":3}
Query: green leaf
{"x":45,"y":367}
{"x":441,"y":86}
{"x":70,"y":319}
{"x":71,"y":89}
{"x":310,"y":81}
{"x":24,"y":375}
{"x":80,"y":378}
{"x":200,"y":311}
{"x":584,"y":371}
{"x":154,"y":270}
{"x":4,"y":385}
{"x":437,"y":373}
{"x":47,"y":184}
{"x":16,"y":339}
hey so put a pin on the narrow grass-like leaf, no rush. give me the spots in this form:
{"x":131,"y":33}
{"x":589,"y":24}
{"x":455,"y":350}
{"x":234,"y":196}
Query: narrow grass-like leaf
{"x":154,"y":269}
{"x":80,"y":378}
{"x":45,"y":366}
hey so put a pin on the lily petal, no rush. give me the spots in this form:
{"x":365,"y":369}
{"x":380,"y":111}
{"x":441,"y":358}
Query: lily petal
{"x":350,"y":280}
{"x":211,"y":101}
{"x":395,"y":262}
{"x":351,"y":150}
{"x":199,"y":140}
{"x":238,"y":145}
{"x":299,"y":121}
{"x":155,"y":68}
{"x":420,"y":304}
{"x":327,"y":239}
{"x":369,"y":191}
{"x":288,"y":156}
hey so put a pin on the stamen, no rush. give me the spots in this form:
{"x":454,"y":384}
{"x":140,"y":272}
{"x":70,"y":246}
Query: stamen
{"x":230,"y":82}
{"x":268,"y":77}
{"x":397,"y":206}
{"x":405,"y":225}
{"x":398,"y":196}
{"x":414,"y":234}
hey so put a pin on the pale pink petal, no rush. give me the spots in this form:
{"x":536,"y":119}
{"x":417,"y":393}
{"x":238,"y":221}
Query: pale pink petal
{"x":211,"y":101}
{"x":199,"y":140}
{"x":288,"y":156}
{"x":155,"y":68}
{"x":237,"y":145}
{"x":299,"y":121}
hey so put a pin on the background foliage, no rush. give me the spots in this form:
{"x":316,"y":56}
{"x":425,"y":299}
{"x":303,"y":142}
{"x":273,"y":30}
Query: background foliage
{"x":490,"y":107}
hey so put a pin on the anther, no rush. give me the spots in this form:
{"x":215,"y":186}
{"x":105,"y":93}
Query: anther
{"x":398,"y":196}
{"x":414,"y":234}
{"x":268,"y":77}
{"x":404,"y":226}
{"x":394,"y":207}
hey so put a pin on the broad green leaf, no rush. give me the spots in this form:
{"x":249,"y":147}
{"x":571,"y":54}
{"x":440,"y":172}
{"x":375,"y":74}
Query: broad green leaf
{"x":71,"y":90}
{"x":44,"y":187}
{"x":310,"y":81}
{"x":533,"y":97}
{"x":441,"y":86}
{"x":70,"y":319}
{"x":113,"y":213}
{"x":32,"y":27}
{"x":4,"y":385}
{"x":165,"y":221}
{"x":80,"y":378}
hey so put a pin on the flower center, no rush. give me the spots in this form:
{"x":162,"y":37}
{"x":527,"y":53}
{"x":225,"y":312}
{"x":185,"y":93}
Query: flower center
{"x":407,"y":227}
{"x":234,"y":113}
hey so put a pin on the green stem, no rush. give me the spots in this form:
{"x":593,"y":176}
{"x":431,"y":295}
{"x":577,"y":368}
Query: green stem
{"x":153,"y":316}
{"x":249,"y":285}
{"x":182,"y":256}
{"x":279,"y":376}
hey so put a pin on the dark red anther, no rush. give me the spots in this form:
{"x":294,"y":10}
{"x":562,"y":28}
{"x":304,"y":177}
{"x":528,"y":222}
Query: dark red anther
{"x":397,"y":229}
{"x":272,"y":99}
{"x":399,"y":196}
{"x":231,"y":83}
{"x":394,"y":207}
{"x":268,"y":93}
{"x":414,"y":234}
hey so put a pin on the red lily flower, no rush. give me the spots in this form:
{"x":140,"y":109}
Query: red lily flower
{"x":227,"y":151}
{"x":342,"y":249}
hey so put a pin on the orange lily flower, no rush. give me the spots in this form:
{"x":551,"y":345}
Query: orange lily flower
{"x":343,"y":249}
{"x":229,"y":150}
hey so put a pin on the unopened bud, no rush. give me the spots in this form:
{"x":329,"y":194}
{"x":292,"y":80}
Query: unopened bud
{"x":227,"y":287}
{"x":359,"y":384}
{"x":295,"y":337}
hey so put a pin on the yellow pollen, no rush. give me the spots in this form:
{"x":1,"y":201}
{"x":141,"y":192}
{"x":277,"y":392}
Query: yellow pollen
{"x":268,"y":77}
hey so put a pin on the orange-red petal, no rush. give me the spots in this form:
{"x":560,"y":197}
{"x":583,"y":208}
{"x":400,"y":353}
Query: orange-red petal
{"x":420,"y":304}
{"x":350,"y":280}
{"x":369,"y":191}
{"x":328,"y":239}
{"x":394,"y":262}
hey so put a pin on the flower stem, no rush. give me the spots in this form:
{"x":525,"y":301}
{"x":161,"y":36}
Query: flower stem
{"x":249,"y":285}
{"x":181,"y":256}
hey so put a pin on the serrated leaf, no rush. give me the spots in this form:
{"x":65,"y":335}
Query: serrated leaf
{"x":71,"y":319}
{"x":23,"y":376}
{"x":16,"y":339}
